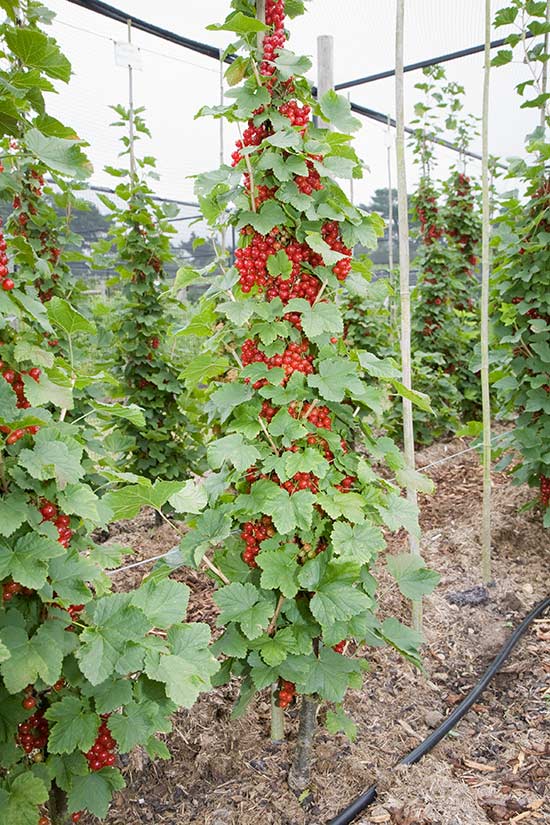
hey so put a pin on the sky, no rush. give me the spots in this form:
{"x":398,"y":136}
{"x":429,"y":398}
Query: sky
{"x":174,"y":82}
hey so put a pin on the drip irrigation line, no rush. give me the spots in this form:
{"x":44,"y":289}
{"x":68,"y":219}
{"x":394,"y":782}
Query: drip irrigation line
{"x":423,"y":64}
{"x":461,"y":452}
{"x":141,"y":562}
{"x":211,"y":51}
{"x":352,"y":811}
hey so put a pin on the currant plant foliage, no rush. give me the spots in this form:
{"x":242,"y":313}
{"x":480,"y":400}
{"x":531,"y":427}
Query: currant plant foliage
{"x":296,"y":505}
{"x":140,"y":231}
{"x":521,"y":296}
{"x":82,"y":674}
{"x":445,"y":296}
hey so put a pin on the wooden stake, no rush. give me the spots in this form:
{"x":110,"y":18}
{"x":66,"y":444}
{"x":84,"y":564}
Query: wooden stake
{"x":131,"y":110}
{"x":325,"y":66}
{"x":403,"y":213}
{"x":485,"y":284}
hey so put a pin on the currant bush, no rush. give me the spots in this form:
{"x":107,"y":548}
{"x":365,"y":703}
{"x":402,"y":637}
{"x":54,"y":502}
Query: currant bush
{"x":79,"y":665}
{"x":140,"y":230}
{"x":296,"y":508}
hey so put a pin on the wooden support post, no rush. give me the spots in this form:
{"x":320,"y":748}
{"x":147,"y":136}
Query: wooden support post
{"x":485,"y":283}
{"x":325,"y":67}
{"x":404,"y":266}
{"x":131,"y":110}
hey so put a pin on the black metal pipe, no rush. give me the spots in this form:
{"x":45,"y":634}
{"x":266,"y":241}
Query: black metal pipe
{"x":423,"y":64}
{"x":352,"y":811}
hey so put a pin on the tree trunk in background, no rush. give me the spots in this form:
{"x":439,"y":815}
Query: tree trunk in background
{"x":300,"y":771}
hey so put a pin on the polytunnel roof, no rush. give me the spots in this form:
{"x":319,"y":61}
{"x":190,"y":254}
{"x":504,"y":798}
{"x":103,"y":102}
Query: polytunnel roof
{"x":175,"y":82}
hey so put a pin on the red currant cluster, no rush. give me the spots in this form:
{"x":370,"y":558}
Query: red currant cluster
{"x":11,"y":589}
{"x":545,"y":491}
{"x":346,"y":484}
{"x":460,"y":223}
{"x":287,"y":692}
{"x":14,"y":379}
{"x":275,"y":17}
{"x":331,"y":236}
{"x":102,"y":754}
{"x":253,"y":533}
{"x":33,"y":734}
{"x":294,"y":358}
{"x":310,"y":182}
{"x":252,"y":136}
{"x":340,"y":647}
{"x":15,"y":435}
{"x":251,"y":261}
{"x":428,"y":214}
{"x":297,"y":113}
{"x":301,"y":481}
{"x":7,"y":282}
{"x":50,"y":512}
{"x":318,"y":416}
{"x":268,"y":411}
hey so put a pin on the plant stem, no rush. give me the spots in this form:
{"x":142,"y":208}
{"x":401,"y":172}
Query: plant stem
{"x":485,"y":283}
{"x":277,"y":717}
{"x":300,"y":770}
{"x":57,"y":806}
{"x":403,"y":217}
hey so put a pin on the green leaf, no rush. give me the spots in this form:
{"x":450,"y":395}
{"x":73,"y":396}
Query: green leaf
{"x":127,"y":502}
{"x":52,"y":460}
{"x":25,"y":351}
{"x":46,"y":391}
{"x":506,"y":16}
{"x":240,"y":24}
{"x":420,"y":399}
{"x":80,"y":500}
{"x":14,"y":511}
{"x":233,"y":449}
{"x":336,"y":601}
{"x":35,"y":49}
{"x":192,"y":498}
{"x":164,"y":602}
{"x":61,"y":155}
{"x":289,"y":64}
{"x":279,"y":264}
{"x":74,"y":725}
{"x":337,"y":111}
{"x":378,"y":367}
{"x":41,"y":655}
{"x":360,"y":543}
{"x":335,"y":377}
{"x":316,"y":242}
{"x":185,"y":276}
{"x":202,"y":367}
{"x":412,"y":576}
{"x":93,"y":792}
{"x":320,"y":319}
{"x":399,"y":512}
{"x":27,"y":559}
{"x":502,"y":57}
{"x":21,"y":800}
{"x":63,"y":316}
{"x":285,"y":425}
{"x":338,"y":721}
{"x":115,"y":625}
{"x":279,"y":569}
{"x":403,"y":639}
{"x":188,"y":668}
{"x":270,"y":214}
{"x":229,"y":396}
{"x":329,"y":675}
{"x":245,"y":604}
{"x":128,"y":412}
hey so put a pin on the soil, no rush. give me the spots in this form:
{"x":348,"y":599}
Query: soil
{"x":494,"y":766}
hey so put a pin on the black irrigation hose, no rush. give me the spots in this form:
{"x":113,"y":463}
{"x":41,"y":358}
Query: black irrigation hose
{"x":423,"y":64}
{"x":352,"y":811}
